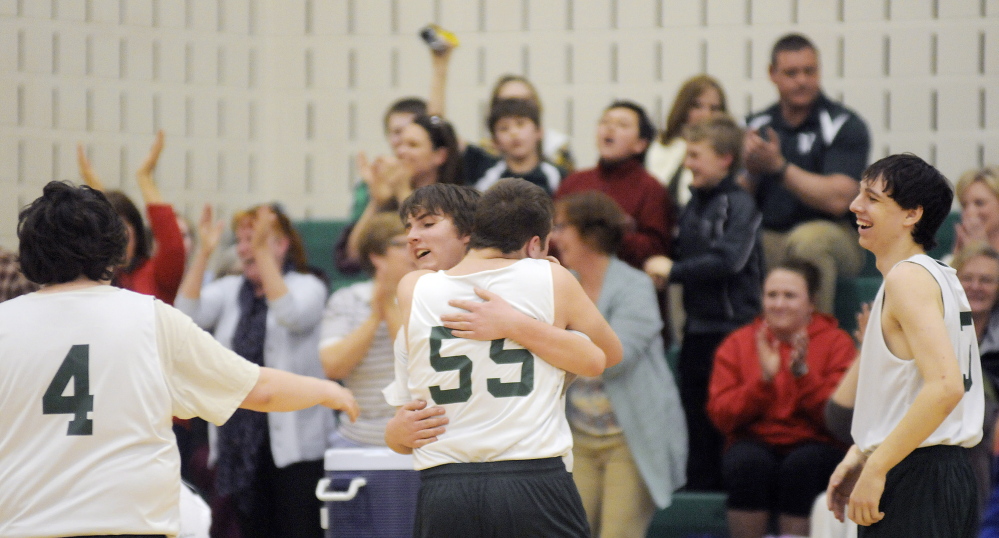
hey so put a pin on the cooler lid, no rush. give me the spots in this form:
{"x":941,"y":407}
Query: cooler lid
{"x":367,"y":459}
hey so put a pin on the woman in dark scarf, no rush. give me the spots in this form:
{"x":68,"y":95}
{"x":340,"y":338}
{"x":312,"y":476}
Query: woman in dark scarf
{"x":270,"y":314}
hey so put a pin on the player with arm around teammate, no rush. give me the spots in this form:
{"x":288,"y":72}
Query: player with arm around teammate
{"x":90,"y":376}
{"x":919,"y":401}
{"x":503,"y":466}
{"x":438,"y":221}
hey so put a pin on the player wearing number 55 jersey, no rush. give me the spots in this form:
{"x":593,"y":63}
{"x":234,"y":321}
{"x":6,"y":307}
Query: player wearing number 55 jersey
{"x":90,"y":376}
{"x":502,"y":466}
{"x":480,"y":382}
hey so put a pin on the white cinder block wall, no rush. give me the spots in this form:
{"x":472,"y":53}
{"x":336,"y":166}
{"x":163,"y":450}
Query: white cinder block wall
{"x":270,"y":99}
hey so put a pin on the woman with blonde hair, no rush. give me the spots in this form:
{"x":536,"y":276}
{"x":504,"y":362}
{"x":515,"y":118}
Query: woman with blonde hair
{"x":698,"y":98}
{"x":269,"y":314}
{"x":978,"y":192}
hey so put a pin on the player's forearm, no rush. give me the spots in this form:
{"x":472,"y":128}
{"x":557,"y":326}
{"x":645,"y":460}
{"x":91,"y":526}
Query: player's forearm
{"x":395,"y":434}
{"x":277,"y":391}
{"x":559,"y":347}
{"x":935,"y":400}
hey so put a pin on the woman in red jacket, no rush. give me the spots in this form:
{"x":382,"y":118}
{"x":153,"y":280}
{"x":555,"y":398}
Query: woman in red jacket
{"x":767,"y":395}
{"x":152,"y":271}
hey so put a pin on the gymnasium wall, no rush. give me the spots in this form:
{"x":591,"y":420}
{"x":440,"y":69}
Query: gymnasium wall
{"x":270,"y":99}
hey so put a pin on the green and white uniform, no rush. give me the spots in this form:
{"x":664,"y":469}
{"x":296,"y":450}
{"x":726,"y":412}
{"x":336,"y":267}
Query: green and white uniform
{"x":89,"y":381}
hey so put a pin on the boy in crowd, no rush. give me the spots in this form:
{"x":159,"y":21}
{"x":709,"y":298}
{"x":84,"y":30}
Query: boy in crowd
{"x":719,"y":262}
{"x":516,"y":128}
{"x":507,"y":418}
{"x":99,"y":458}
{"x":623,"y":136}
{"x":919,"y":401}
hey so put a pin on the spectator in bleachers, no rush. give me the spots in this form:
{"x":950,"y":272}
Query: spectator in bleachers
{"x":804,"y":156}
{"x":13,"y":283}
{"x":427,"y":153}
{"x":554,"y":144}
{"x":978,"y":192}
{"x":517,"y":144}
{"x":699,"y":98}
{"x":623,"y":136}
{"x":268,"y":464}
{"x":719,"y":264}
{"x":152,"y":269}
{"x":625,"y":465}
{"x":398,"y":115}
{"x":359,"y":326}
{"x":977,"y":266}
{"x":769,"y":388}
{"x":516,"y":128}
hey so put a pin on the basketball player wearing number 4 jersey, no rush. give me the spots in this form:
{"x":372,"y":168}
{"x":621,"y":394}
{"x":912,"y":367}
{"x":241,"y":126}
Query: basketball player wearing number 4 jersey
{"x":502,"y":467}
{"x":90,"y":376}
{"x":919,"y":401}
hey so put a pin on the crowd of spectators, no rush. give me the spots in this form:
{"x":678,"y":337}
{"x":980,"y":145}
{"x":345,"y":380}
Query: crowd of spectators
{"x":751,"y":223}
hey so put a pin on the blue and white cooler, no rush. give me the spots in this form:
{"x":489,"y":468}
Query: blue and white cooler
{"x":368,"y":492}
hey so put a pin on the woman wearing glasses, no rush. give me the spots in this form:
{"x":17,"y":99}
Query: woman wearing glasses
{"x":358,"y":328}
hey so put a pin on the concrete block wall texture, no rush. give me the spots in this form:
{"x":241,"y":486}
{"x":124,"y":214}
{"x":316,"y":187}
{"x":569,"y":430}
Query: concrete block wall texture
{"x":272,"y":99}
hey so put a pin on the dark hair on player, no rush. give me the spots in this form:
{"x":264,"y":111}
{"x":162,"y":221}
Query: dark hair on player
{"x":448,"y":200}
{"x":510,"y":213}
{"x":69,"y":232}
{"x":127,"y":210}
{"x":912,"y":183}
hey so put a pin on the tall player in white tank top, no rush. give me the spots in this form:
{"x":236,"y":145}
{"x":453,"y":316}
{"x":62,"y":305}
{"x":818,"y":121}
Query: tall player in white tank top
{"x":920,"y":384}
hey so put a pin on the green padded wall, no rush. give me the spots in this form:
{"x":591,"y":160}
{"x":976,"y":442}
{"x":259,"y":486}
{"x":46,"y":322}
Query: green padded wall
{"x":318,"y":237}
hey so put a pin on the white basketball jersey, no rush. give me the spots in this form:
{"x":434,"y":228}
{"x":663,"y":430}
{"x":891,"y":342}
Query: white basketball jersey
{"x":502,"y":401}
{"x":86,"y":445}
{"x":887,"y":385}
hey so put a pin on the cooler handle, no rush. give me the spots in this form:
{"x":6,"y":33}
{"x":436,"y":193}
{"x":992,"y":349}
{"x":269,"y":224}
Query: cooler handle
{"x":332,"y":496}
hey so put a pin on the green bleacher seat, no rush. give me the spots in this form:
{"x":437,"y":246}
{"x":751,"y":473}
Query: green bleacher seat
{"x":945,"y":236}
{"x":692,"y":514}
{"x":318,"y":236}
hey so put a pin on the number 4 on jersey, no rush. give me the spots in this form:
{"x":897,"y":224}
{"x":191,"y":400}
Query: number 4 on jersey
{"x":76,"y":367}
